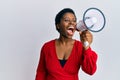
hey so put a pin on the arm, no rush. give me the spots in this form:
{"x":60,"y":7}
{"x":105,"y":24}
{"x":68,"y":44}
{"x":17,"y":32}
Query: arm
{"x":41,"y":69}
{"x":89,"y":61}
{"x":89,"y":57}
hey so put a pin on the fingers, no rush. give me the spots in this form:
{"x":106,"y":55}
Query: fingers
{"x":86,"y":36}
{"x":83,"y":35}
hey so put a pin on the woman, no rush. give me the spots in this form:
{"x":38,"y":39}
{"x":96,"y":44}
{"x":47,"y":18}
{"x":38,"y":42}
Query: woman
{"x":61,"y":58}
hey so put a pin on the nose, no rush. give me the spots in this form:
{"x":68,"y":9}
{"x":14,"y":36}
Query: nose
{"x":72,"y":22}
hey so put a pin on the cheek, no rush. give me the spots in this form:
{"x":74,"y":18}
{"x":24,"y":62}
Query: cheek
{"x":64,"y":24}
{"x":63,"y":27}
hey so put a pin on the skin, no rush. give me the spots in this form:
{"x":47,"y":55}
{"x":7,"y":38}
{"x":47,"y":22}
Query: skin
{"x":64,"y":43}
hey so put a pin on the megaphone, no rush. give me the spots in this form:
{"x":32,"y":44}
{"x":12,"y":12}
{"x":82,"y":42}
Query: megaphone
{"x":93,"y":20}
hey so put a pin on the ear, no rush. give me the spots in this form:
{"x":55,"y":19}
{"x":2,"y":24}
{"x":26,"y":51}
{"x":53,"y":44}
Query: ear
{"x":57,"y":26}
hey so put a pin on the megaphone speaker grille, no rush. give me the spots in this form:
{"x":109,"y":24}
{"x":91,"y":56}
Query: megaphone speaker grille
{"x":94,"y":19}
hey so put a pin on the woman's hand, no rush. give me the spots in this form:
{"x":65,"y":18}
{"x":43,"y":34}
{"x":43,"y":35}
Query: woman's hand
{"x":86,"y":38}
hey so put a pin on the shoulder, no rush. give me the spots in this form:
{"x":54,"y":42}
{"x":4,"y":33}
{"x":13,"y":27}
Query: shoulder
{"x":48,"y":44}
{"x":51,"y":42}
{"x":77,"y":42}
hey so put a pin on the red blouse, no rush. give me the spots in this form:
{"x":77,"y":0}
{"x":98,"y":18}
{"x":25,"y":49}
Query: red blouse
{"x":49,"y":67}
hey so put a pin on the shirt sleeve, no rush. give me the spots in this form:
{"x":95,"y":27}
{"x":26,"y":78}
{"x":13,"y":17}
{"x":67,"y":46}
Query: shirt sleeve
{"x":89,"y":61}
{"x":41,"y":69}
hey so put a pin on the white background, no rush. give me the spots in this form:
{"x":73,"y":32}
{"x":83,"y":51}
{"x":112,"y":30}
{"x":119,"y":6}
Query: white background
{"x":26,"y":24}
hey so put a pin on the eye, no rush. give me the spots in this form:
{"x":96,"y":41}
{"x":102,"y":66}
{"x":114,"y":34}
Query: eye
{"x":74,"y":20}
{"x":66,"y":20}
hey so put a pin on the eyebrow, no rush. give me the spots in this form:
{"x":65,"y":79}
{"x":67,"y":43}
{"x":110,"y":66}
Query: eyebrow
{"x":69,"y":18}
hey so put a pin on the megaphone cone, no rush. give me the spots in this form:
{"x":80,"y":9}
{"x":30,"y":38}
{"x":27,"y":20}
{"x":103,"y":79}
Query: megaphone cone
{"x":93,"y":20}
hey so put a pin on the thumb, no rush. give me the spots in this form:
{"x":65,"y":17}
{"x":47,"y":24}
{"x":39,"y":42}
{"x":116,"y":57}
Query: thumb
{"x":80,"y":32}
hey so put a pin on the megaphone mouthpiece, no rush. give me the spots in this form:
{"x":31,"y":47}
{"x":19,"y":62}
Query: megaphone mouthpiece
{"x":80,"y":26}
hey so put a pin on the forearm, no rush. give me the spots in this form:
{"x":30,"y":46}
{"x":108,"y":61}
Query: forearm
{"x":89,"y":61}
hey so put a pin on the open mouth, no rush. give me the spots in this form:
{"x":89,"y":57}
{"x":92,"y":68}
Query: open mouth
{"x":70,"y":30}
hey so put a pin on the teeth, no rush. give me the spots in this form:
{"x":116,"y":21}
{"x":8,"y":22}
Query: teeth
{"x":71,"y":27}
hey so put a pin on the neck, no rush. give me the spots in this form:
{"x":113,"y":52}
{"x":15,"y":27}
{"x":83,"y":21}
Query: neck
{"x":64,"y":41}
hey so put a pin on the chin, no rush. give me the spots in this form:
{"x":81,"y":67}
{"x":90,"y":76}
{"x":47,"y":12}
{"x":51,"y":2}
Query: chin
{"x":70,"y":37}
